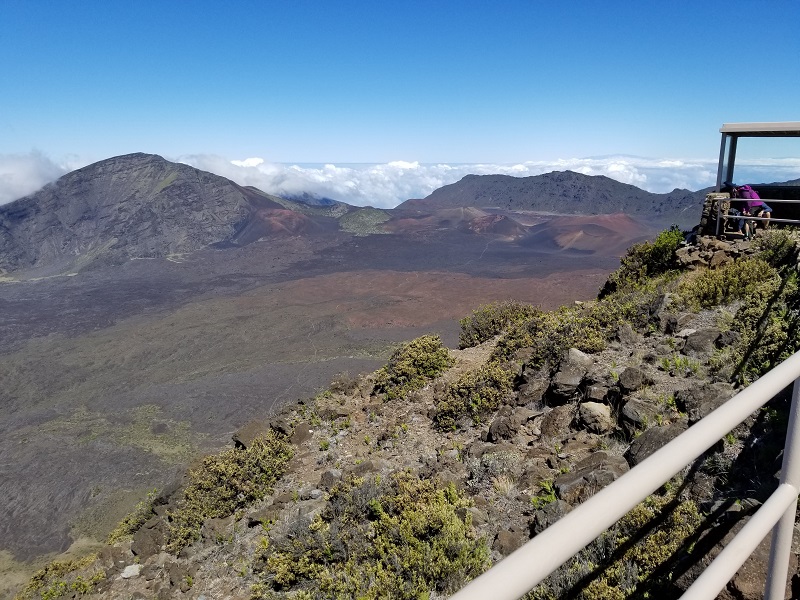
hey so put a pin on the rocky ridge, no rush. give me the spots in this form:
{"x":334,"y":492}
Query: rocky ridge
{"x":564,"y":192}
{"x":563,"y":431}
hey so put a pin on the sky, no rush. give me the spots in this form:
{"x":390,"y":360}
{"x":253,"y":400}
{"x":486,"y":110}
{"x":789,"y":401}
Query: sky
{"x":377,"y":102}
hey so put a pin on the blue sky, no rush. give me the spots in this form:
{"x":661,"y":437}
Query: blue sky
{"x":406,"y":83}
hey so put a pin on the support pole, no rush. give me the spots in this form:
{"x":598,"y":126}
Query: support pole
{"x":775,"y":588}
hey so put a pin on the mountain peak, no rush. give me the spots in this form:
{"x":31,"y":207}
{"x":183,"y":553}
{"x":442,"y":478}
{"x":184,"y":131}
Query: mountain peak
{"x":131,"y":206}
{"x":563,"y":192}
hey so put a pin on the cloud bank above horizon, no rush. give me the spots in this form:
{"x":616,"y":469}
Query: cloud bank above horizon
{"x":387,"y":185}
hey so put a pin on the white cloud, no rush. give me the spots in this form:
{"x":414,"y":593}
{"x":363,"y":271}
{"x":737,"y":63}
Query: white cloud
{"x":248,"y":162}
{"x":388,"y":184}
{"x":23,"y":174}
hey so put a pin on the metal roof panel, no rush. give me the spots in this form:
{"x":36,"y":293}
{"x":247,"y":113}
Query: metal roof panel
{"x":776,"y":128}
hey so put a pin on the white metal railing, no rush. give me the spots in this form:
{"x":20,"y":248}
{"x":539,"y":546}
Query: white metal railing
{"x":526,"y":567}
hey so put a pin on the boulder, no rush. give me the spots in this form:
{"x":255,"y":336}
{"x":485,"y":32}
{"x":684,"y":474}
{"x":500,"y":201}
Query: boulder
{"x":627,"y":335}
{"x":719,"y":258}
{"x":376,"y":465}
{"x":579,"y":360}
{"x":113,"y":559}
{"x":556,"y":422}
{"x":596,"y":417}
{"x":502,"y":428}
{"x":532,"y":392}
{"x":565,"y":383}
{"x":637,"y":415}
{"x":697,"y":402}
{"x":216,"y":530}
{"x":522,"y":415}
{"x":282,"y":425}
{"x":478,"y":448}
{"x":148,"y":540}
{"x":702,"y":342}
{"x":689,"y":256}
{"x":330,"y":478}
{"x":632,"y":379}
{"x":653,"y":439}
{"x":570,"y":375}
{"x":452,"y":475}
{"x":728,"y":338}
{"x":479,"y":517}
{"x":264,"y":515}
{"x":546,"y":516}
{"x":534,"y":474}
{"x":590,"y":475}
{"x":246,"y":434}
{"x":596,"y":393}
{"x":302,"y":432}
{"x":508,"y":540}
{"x":580,"y":445}
{"x":331,"y":413}
{"x":131,"y":571}
{"x":311,"y":508}
{"x":748,"y":582}
{"x":311,"y":493}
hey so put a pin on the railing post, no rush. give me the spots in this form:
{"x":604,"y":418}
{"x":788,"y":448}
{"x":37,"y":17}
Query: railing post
{"x":775,"y":588}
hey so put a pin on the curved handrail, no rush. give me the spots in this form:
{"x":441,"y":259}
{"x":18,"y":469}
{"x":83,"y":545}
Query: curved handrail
{"x":527,"y":566}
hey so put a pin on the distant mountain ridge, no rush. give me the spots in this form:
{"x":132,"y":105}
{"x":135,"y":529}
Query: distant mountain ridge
{"x":561,"y":192}
{"x":139,"y":206}
{"x":143,"y":206}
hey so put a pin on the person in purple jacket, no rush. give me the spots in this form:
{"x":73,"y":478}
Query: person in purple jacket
{"x":753,"y":204}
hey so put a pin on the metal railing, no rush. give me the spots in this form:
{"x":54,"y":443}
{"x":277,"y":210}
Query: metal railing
{"x":528,"y":566}
{"x":743,"y":217}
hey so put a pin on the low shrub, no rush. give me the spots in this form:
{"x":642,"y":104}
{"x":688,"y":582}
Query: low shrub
{"x":736,"y":280}
{"x":777,"y":247}
{"x":60,"y":578}
{"x":768,"y":323}
{"x":587,"y":327}
{"x":492,"y":319}
{"x":631,"y":559}
{"x":397,"y":538}
{"x":645,"y":260}
{"x":475,"y":394}
{"x":131,"y":524}
{"x":226,"y":482}
{"x":412,"y":366}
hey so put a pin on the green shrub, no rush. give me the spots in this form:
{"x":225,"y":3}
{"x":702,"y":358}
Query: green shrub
{"x":545,"y":496}
{"x":736,"y":280}
{"x":491,"y":319}
{"x":777,"y":247}
{"x":226,"y":482}
{"x":645,"y":260}
{"x":631,"y":559}
{"x":399,"y":538}
{"x":475,"y":394}
{"x":412,"y":365}
{"x":131,"y":524}
{"x":767,"y":323}
{"x":587,"y":327}
{"x":59,"y":577}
